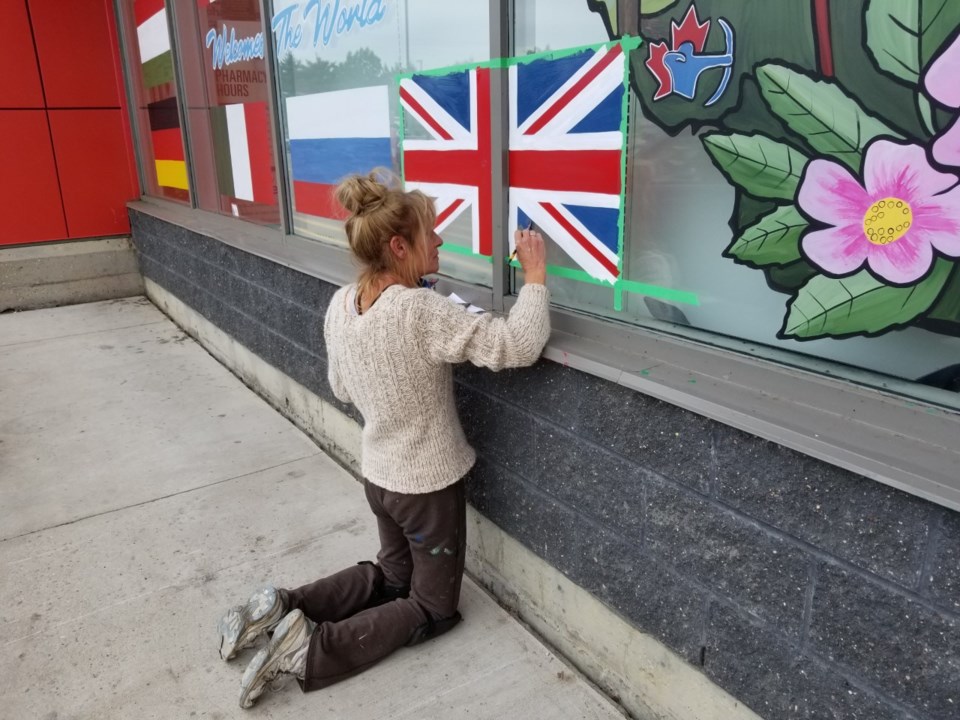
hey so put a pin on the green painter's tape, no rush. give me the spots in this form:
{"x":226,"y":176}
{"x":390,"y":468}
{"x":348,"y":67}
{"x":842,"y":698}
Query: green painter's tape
{"x":460,"y":250}
{"x":621,"y":220}
{"x":629,"y":43}
{"x":638,"y":288}
{"x":495,"y":63}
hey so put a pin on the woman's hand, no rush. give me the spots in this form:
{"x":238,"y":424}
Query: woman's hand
{"x":532,"y":254}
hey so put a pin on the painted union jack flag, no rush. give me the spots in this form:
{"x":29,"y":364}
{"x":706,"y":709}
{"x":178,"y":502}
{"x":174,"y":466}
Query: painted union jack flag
{"x":566,"y":153}
{"x":452,"y":163}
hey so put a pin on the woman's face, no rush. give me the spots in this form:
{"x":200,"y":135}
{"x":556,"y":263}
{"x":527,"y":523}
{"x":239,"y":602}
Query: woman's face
{"x":428,"y":254}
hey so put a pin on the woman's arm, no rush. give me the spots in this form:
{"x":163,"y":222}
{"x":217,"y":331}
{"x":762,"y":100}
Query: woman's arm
{"x":454,"y":335}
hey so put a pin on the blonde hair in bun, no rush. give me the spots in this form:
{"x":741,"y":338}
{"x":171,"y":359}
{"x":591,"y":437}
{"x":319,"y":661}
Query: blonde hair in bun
{"x":379,"y":209}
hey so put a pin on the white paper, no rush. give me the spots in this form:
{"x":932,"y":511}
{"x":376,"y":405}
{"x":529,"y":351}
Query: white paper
{"x":457,"y":299}
{"x":474,"y":309}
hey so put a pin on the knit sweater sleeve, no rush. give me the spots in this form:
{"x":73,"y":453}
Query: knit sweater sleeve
{"x":453,"y":335}
{"x":330,"y":340}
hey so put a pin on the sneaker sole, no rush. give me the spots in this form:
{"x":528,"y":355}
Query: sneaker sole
{"x":241,"y":626}
{"x":260,"y":672}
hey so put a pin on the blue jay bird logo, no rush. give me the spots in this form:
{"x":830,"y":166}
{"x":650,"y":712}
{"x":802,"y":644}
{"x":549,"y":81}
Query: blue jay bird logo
{"x":679,"y":66}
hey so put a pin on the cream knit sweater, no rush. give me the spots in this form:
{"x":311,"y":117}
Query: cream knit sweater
{"x":394,"y":363}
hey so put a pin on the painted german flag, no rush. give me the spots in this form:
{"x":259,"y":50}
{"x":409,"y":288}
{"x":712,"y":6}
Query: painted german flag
{"x":168,"y":153}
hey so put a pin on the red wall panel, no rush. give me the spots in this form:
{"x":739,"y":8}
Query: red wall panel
{"x":95,"y":176}
{"x":78,"y":54}
{"x":21,"y":78}
{"x":30,"y":207}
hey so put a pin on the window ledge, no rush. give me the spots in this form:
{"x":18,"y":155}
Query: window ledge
{"x":907,"y":444}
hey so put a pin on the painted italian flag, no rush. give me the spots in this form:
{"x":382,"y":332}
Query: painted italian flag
{"x":241,"y":136}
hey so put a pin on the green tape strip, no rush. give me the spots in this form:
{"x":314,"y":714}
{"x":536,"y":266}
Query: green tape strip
{"x":638,"y":288}
{"x":624,"y":134}
{"x":629,"y":43}
{"x":466,"y":252}
{"x":495,"y":63}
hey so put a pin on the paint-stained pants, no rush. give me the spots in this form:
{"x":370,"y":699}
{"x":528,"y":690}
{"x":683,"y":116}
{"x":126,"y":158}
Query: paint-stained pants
{"x":367,"y":611}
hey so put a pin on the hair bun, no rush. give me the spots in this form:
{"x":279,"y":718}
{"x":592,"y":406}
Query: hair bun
{"x":363,"y":194}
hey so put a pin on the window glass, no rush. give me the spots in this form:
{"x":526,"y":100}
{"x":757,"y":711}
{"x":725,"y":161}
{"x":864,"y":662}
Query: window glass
{"x":782,"y":187}
{"x":152,"y":75}
{"x":226,"y":92}
{"x":340,"y":68}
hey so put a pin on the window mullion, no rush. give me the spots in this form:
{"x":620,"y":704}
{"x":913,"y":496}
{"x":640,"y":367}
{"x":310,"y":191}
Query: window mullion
{"x":499,"y":163}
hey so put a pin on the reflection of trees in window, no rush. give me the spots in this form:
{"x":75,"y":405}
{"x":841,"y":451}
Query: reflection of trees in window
{"x":361,"y":68}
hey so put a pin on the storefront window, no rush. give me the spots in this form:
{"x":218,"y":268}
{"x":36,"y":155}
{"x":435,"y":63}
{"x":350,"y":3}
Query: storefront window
{"x":781,"y":188}
{"x":227,"y":95}
{"x":340,"y":67}
{"x":165,"y":166}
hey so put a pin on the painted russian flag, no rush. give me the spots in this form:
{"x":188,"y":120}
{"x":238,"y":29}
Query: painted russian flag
{"x":333,"y":135}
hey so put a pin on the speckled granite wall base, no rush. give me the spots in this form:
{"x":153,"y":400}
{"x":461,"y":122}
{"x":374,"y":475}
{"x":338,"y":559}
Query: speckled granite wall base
{"x":803,"y":590}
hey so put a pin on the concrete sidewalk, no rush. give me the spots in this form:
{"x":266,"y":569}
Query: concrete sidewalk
{"x":143,"y":489}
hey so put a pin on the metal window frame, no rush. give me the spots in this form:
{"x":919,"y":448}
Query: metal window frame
{"x":131,"y":89}
{"x":892,"y":431}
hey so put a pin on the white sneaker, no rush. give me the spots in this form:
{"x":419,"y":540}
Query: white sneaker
{"x":240,"y":627}
{"x":285,"y":653}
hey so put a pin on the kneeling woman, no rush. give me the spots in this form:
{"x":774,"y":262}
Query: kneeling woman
{"x":390,"y":348}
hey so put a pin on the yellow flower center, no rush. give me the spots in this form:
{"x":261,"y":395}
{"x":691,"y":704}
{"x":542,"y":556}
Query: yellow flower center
{"x":887,"y":221}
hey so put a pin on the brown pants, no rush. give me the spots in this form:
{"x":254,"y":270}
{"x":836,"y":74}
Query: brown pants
{"x":367,"y":611}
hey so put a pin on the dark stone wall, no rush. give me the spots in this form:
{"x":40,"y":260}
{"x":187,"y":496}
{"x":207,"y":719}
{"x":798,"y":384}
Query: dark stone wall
{"x":804,"y":590}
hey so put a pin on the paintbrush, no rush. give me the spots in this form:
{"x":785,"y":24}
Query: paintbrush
{"x":514,"y":253}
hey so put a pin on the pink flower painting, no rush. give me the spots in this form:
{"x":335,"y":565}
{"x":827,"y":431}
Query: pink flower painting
{"x":892,"y":220}
{"x":942,"y":84}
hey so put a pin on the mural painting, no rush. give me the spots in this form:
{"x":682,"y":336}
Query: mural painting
{"x":840,"y":139}
{"x":782,"y":171}
{"x":566,"y":142}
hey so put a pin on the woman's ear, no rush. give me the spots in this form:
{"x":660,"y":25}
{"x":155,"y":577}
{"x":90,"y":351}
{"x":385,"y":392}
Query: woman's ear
{"x":399,"y":247}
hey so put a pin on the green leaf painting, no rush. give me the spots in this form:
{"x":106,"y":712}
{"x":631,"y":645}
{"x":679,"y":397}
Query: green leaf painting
{"x":774,"y":240}
{"x":947,"y":308}
{"x":903,"y":35}
{"x":860,"y":304}
{"x":789,"y":278}
{"x":763,"y":167}
{"x":821,"y":112}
